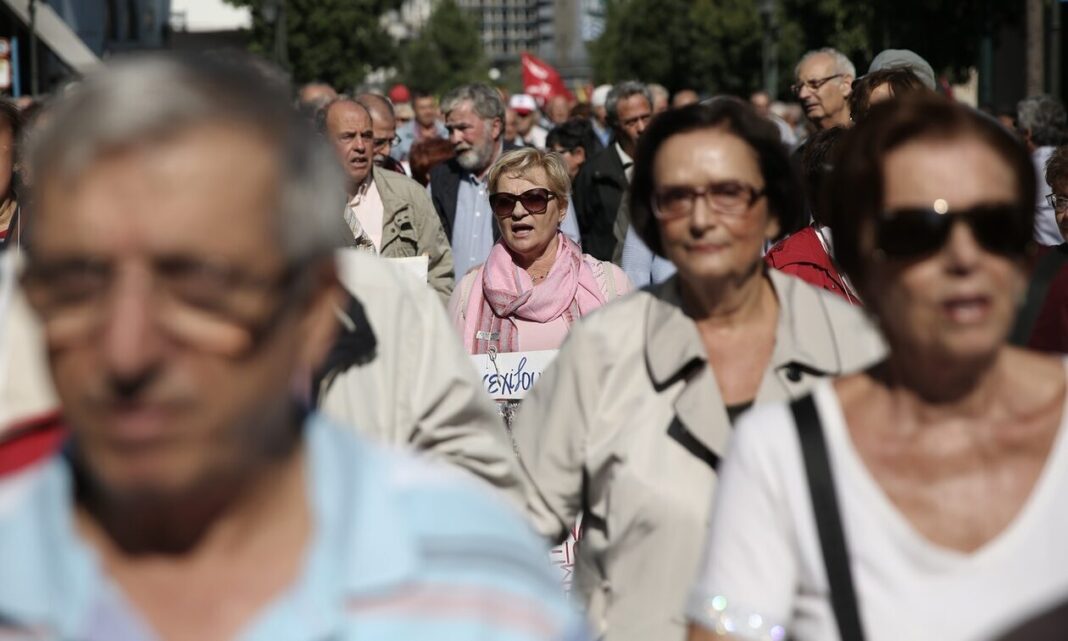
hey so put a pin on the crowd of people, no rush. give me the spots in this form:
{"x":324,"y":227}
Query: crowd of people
{"x":808,"y":377}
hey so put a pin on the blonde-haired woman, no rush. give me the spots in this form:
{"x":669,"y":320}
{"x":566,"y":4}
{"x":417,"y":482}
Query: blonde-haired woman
{"x":536,"y":282}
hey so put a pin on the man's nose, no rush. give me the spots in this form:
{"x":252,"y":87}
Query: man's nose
{"x":131,"y":340}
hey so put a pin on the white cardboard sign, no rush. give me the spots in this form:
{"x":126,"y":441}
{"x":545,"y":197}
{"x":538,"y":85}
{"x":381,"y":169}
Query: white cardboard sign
{"x":510,"y":375}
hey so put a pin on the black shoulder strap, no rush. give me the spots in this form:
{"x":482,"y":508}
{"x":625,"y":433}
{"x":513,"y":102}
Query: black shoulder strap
{"x":828,"y":520}
{"x":1041,"y":279}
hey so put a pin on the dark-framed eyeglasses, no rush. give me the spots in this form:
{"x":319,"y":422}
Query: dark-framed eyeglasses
{"x":918,"y":231}
{"x":1057,"y":202}
{"x":729,"y":198}
{"x":534,"y":201}
{"x":210,"y":306}
{"x":382,"y":142}
{"x":814,"y":85}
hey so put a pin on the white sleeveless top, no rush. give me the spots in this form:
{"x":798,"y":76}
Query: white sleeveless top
{"x":763,"y":571}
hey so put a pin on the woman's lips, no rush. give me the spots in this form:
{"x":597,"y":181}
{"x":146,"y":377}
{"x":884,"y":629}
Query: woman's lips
{"x":967,"y":310}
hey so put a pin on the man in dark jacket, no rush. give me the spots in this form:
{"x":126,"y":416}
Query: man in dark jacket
{"x":600,"y":186}
{"x":474,"y":116}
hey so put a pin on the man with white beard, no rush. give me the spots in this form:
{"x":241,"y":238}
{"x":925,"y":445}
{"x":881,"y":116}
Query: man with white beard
{"x":474,"y":117}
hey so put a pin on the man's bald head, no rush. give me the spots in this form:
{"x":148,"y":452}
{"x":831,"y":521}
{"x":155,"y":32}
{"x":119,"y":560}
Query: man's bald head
{"x":384,"y":121}
{"x":317,"y":95}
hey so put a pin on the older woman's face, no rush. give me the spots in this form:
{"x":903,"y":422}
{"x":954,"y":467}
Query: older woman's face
{"x":709,"y":244}
{"x":525,"y":233}
{"x":960,"y":301}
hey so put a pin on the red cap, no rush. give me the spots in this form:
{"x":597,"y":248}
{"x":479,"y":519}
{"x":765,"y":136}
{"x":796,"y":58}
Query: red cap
{"x":399,"y":93}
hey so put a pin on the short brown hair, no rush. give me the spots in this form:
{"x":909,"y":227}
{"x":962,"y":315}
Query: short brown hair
{"x":857,"y":187}
{"x":520,"y":162}
{"x":426,"y":154}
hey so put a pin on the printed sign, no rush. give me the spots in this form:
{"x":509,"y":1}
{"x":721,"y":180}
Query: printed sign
{"x":509,"y":376}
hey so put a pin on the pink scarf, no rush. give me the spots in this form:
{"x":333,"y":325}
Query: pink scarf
{"x":570,"y":290}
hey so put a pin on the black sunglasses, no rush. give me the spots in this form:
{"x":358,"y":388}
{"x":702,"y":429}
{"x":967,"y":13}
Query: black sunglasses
{"x":914,"y":232}
{"x":535,"y":201}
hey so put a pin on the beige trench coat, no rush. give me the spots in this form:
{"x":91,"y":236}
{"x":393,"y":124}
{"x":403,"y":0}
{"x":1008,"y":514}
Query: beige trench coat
{"x":411,"y":227}
{"x":420,"y":391}
{"x":627,"y":428}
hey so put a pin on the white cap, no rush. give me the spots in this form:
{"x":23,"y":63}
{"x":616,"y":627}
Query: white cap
{"x":523,"y":103}
{"x":600,"y":95}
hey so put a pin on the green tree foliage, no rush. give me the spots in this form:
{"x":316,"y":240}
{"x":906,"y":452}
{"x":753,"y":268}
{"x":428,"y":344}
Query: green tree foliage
{"x":446,"y":53}
{"x":715,"y":45}
{"x":335,"y":41}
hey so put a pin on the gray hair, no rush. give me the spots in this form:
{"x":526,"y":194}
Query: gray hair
{"x":1044,"y":117}
{"x":842,"y":64}
{"x":622,"y":91}
{"x":485,"y":100}
{"x":147,"y":98}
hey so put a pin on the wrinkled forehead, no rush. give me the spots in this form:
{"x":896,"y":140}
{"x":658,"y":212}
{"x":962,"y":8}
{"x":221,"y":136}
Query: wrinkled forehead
{"x":210,"y":189}
{"x":816,"y":66}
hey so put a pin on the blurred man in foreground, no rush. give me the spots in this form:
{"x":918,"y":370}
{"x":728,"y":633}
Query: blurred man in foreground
{"x":195,"y":499}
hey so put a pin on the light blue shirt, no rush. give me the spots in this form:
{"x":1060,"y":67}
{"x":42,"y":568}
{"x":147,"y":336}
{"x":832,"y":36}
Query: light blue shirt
{"x":472,"y":231}
{"x":641,"y":265}
{"x":406,"y":133}
{"x":402,"y":549}
{"x":570,"y":224}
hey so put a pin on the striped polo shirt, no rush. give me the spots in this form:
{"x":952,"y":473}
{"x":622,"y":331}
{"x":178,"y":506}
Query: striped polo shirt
{"x":403,"y":550}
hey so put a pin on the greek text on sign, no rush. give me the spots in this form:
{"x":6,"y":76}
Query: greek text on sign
{"x":510,"y":375}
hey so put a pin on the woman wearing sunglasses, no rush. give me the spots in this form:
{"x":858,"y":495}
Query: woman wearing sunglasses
{"x":627,"y":426}
{"x":924,"y":497}
{"x":536,"y":282}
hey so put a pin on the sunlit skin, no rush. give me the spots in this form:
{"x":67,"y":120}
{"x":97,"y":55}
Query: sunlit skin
{"x":475,"y":139}
{"x":350,"y":129}
{"x":959,"y":302}
{"x":191,"y":414}
{"x":194,"y":491}
{"x":510,"y":131}
{"x":383,"y":124}
{"x":956,"y":427}
{"x":574,"y":158}
{"x":708,"y":245}
{"x":525,"y":121}
{"x":531,"y":238}
{"x":426,"y":111}
{"x":828,"y":106}
{"x":557,"y":110}
{"x":634,"y":113}
{"x":684,"y":97}
{"x":719,"y":259}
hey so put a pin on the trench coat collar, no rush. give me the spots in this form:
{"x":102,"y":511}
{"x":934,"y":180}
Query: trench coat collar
{"x":803,"y":339}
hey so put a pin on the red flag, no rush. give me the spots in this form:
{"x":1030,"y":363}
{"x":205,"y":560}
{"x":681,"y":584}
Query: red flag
{"x":541,"y":80}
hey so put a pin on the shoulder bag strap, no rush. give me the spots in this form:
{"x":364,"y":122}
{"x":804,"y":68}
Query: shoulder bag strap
{"x":828,"y":519}
{"x":1041,"y":279}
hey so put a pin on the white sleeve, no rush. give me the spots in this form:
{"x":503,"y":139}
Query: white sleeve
{"x":749,"y":573}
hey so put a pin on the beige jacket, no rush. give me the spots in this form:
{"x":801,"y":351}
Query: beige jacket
{"x":420,"y":390}
{"x":411,"y":227}
{"x":627,"y":428}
